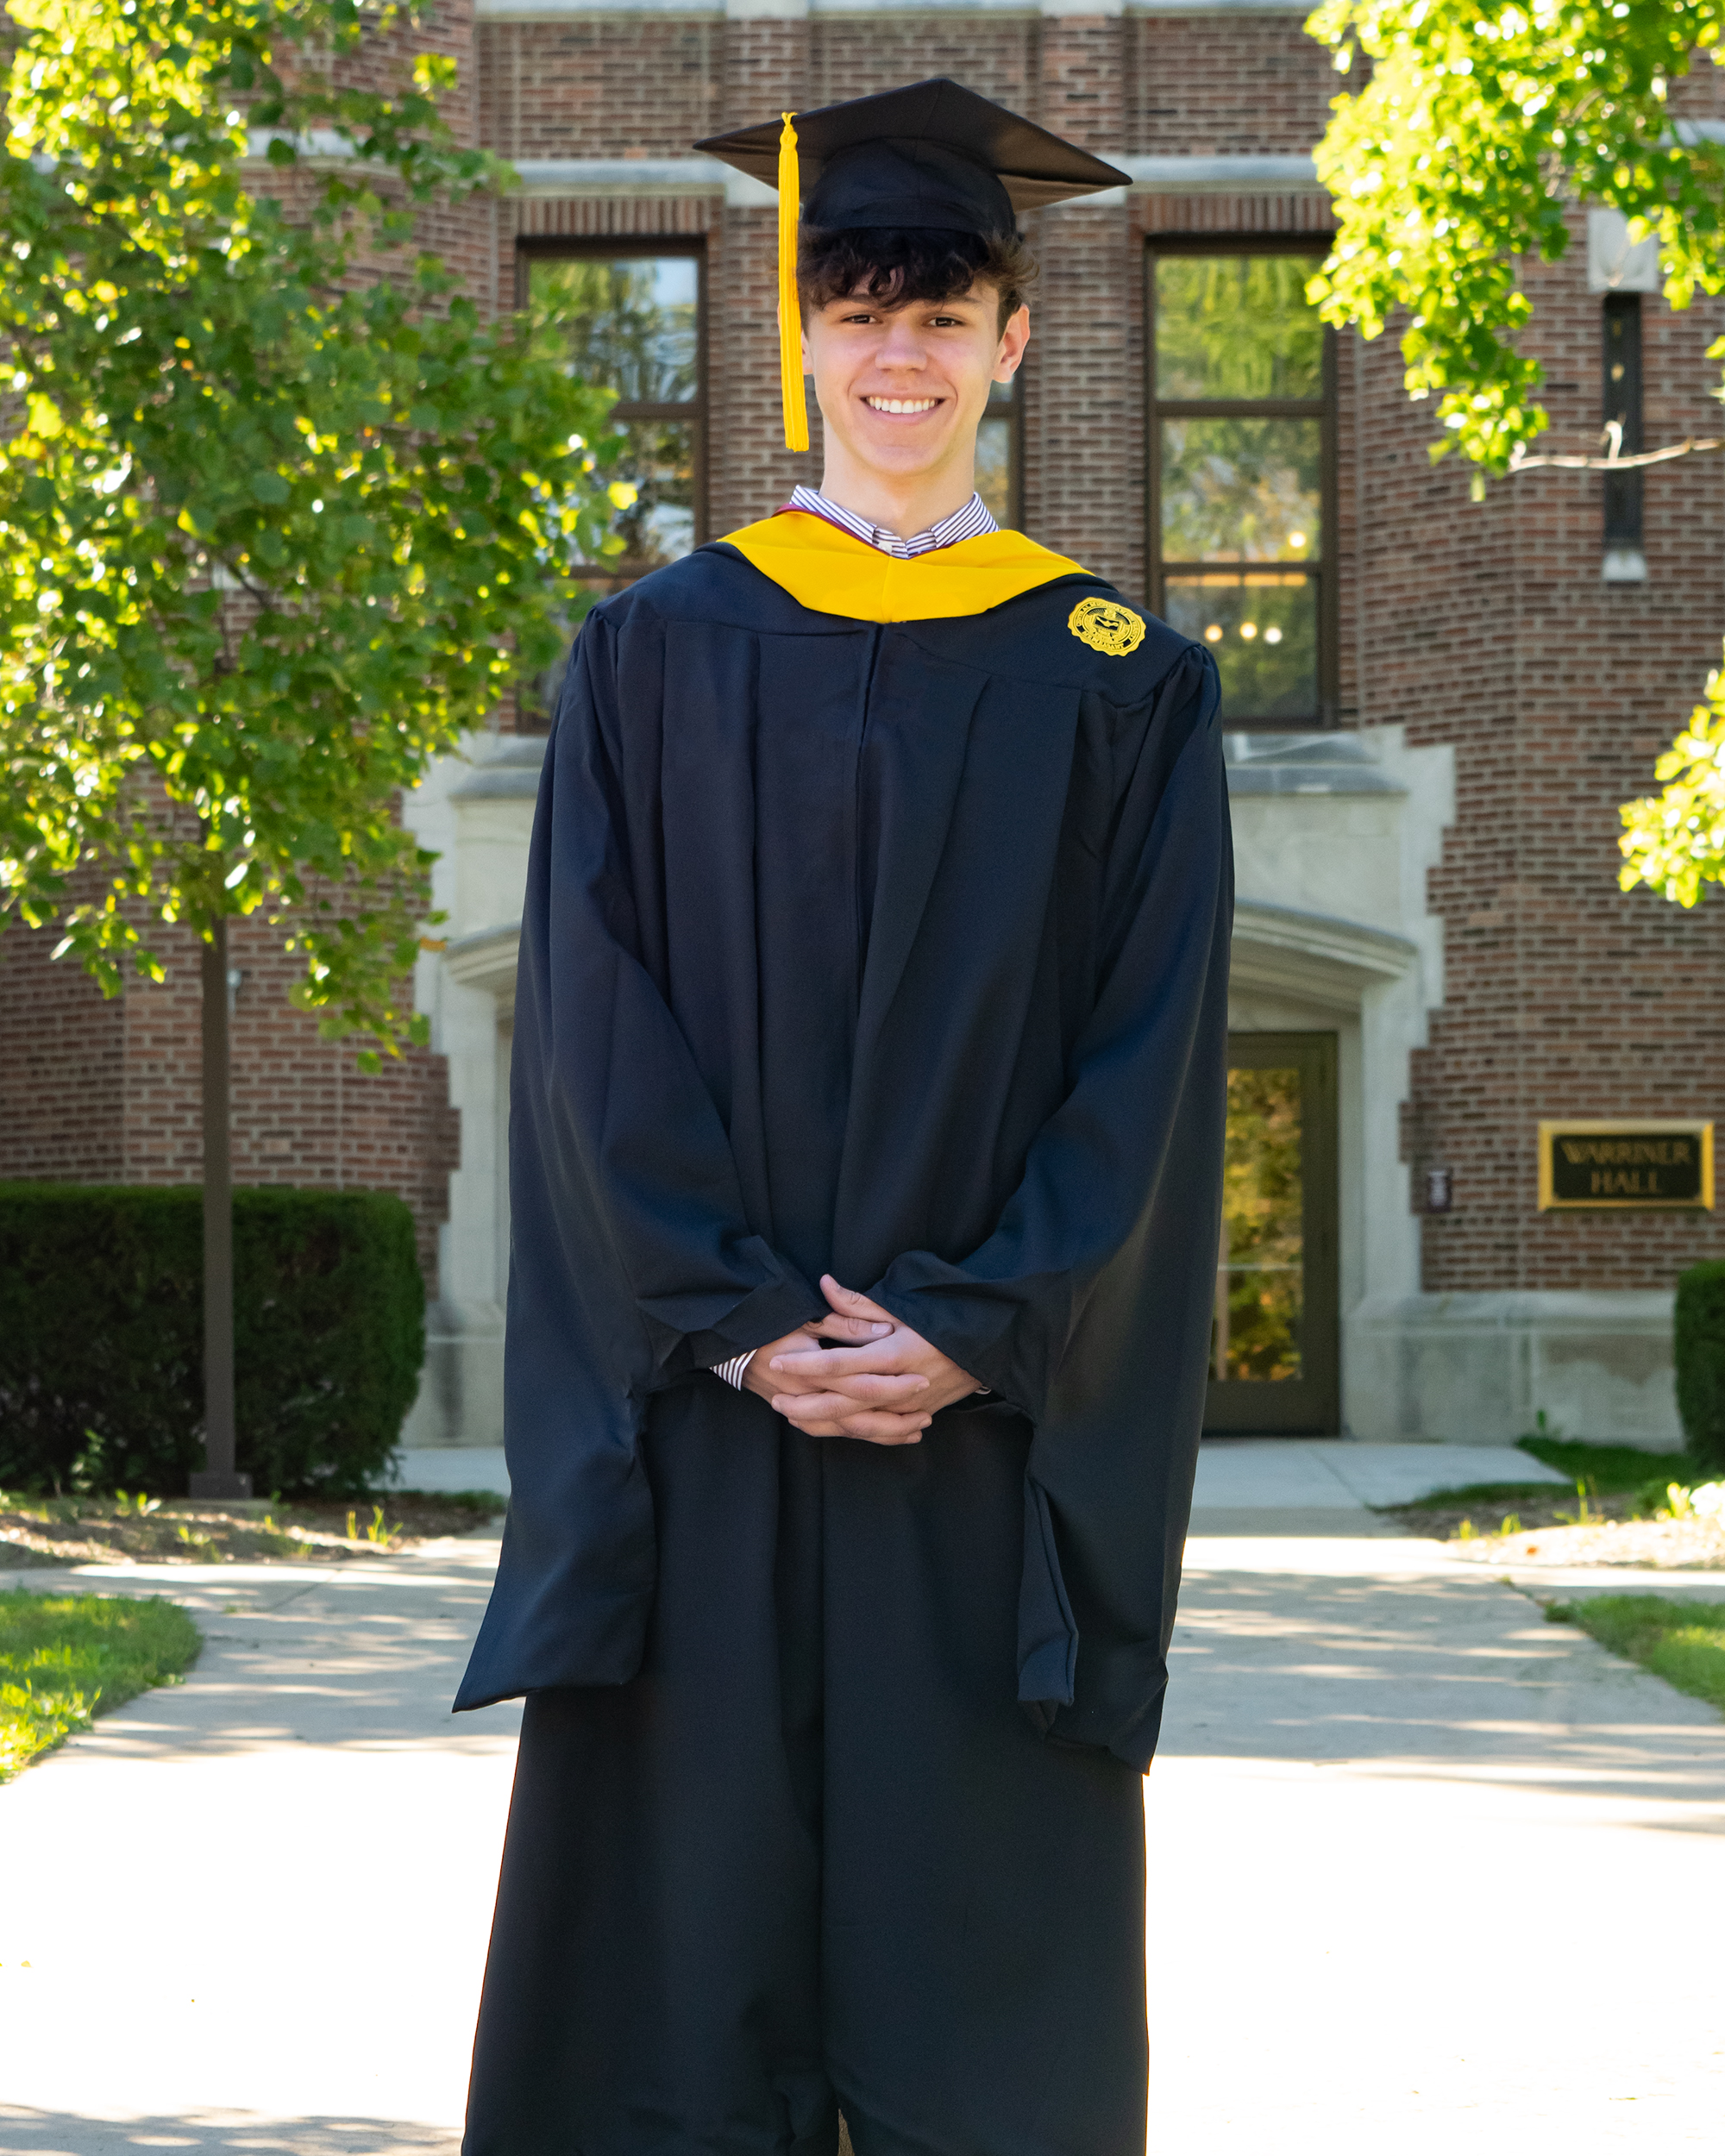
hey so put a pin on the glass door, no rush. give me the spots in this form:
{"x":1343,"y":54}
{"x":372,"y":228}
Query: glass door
{"x":1274,"y":1363}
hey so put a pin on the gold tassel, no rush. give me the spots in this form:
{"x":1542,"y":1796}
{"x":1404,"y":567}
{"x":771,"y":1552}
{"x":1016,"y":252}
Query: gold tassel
{"x":790,"y":314}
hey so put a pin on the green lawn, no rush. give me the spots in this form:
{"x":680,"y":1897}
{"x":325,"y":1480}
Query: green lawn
{"x":1483,"y":1494}
{"x":1612,"y":1469}
{"x":1605,"y":1470}
{"x":1679,"y":1639}
{"x":67,"y":1658}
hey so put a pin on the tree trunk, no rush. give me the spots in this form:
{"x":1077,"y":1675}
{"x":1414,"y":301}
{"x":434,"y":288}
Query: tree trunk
{"x":219,"y":1478}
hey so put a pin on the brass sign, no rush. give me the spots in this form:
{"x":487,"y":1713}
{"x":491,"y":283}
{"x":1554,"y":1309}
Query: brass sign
{"x":1647,"y":1164}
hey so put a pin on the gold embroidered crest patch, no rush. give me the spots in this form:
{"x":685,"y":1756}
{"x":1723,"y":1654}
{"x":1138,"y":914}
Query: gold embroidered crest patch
{"x":1105,"y":626}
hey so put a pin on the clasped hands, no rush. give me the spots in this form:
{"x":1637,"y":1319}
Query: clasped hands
{"x":885,"y":1385}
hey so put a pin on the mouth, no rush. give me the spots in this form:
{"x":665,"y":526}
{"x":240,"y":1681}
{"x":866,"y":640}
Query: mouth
{"x":902,"y":407}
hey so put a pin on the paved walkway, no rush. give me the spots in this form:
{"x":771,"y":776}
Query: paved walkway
{"x":1319,"y":1473}
{"x":255,"y":1906}
{"x":1425,"y":1866}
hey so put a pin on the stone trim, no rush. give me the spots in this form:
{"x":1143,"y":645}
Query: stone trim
{"x":798,"y":11}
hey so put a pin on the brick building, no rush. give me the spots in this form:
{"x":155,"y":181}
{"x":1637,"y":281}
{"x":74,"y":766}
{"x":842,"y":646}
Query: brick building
{"x":1434,"y":706}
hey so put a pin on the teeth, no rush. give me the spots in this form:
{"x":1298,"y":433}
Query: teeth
{"x":902,"y":403}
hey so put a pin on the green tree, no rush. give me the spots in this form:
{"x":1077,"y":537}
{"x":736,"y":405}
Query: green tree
{"x":1462,"y":151}
{"x":1475,"y":131}
{"x":281,"y":515}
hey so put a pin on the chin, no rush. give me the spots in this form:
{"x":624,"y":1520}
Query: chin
{"x":901,"y":455}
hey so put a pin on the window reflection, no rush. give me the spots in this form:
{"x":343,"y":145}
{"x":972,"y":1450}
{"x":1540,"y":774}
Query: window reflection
{"x":1258,"y":1322}
{"x":1239,"y":441}
{"x":1240,"y":490}
{"x":636,"y":327}
{"x":995,"y":468}
{"x":1237,"y":326}
{"x":997,"y":454}
{"x":1262,"y":629}
{"x":660,"y":526}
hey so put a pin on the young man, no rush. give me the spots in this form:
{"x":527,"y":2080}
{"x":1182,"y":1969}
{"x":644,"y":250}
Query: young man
{"x":869,"y":1085}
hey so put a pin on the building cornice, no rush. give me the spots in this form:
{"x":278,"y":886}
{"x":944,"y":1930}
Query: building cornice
{"x":543,"y":178}
{"x":1222,"y":175}
{"x":639,"y":178}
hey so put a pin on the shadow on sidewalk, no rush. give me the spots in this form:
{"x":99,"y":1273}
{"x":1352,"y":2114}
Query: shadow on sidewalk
{"x":1449,"y":1679}
{"x":24,"y":2132}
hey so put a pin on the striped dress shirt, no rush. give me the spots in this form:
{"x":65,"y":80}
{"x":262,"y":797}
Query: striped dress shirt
{"x":973,"y":521}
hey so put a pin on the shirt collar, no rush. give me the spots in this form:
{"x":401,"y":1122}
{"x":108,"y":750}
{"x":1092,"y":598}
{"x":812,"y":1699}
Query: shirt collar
{"x":972,"y":520}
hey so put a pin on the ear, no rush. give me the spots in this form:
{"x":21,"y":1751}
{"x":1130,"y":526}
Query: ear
{"x":1013,"y":339}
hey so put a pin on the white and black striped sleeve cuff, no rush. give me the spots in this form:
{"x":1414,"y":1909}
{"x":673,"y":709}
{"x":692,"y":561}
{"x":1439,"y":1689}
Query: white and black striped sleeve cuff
{"x":732,"y":1371}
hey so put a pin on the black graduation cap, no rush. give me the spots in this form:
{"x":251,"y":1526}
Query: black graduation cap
{"x":932,"y":155}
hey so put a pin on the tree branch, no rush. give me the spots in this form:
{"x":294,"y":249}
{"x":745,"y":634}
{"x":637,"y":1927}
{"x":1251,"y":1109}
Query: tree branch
{"x":1691,"y":447}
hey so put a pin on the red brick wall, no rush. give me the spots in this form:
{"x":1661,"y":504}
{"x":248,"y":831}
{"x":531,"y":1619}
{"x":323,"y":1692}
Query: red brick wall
{"x":100,"y":1090}
{"x":611,"y":86}
{"x":62,"y":1057}
{"x":1488,"y":627}
{"x":1234,"y":85}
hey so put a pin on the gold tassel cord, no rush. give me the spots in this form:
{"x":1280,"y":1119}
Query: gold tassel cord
{"x":790,"y":314}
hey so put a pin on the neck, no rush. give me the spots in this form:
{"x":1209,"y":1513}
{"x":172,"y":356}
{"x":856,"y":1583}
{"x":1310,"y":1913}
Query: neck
{"x":906,"y":505}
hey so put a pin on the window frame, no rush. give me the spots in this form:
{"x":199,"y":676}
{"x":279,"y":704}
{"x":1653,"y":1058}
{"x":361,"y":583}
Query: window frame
{"x":693,"y":412}
{"x":1322,"y":407}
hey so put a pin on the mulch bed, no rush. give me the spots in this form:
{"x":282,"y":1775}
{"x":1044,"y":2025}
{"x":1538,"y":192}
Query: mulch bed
{"x":1550,"y":1533}
{"x":37,"y":1531}
{"x":1668,"y":1546}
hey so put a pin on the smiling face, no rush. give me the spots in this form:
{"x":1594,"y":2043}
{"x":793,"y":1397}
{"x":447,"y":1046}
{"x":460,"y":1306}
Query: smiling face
{"x":902,"y":389}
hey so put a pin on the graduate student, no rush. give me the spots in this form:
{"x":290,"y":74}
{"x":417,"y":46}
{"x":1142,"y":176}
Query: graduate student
{"x":865,"y":1160}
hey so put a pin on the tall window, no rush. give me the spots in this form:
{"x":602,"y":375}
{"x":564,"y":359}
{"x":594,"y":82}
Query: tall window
{"x":638,"y":330}
{"x":1242,"y":493}
{"x":1622,"y":326}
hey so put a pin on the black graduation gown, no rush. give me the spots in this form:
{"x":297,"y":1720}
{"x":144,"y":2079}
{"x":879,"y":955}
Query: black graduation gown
{"x":899,"y":951}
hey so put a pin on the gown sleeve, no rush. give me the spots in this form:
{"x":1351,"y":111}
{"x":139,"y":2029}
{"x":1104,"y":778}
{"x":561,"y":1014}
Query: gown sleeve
{"x":627,"y":1137}
{"x":1089,"y":1308}
{"x":632,"y":1264}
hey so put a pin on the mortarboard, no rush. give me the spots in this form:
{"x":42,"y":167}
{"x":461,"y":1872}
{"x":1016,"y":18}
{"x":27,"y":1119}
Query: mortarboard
{"x":932,"y":155}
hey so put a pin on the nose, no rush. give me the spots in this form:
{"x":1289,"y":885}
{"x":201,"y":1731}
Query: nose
{"x":903,"y":345}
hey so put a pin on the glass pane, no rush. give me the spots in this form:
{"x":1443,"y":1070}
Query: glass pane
{"x":1239,"y":490}
{"x":635,"y":325}
{"x":1236,"y":325}
{"x":995,"y":465}
{"x":660,"y":525}
{"x":1263,"y":628}
{"x":1259,"y":1311}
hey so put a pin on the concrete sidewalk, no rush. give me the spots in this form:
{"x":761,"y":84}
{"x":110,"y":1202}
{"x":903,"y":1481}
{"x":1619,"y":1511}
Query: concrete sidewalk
{"x":1316,"y":1474}
{"x":253,"y":1907}
{"x":1436,"y":1868}
{"x":1325,"y":1486}
{"x":1422,"y":1864}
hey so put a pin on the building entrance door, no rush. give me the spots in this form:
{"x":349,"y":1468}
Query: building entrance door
{"x":1274,"y":1356}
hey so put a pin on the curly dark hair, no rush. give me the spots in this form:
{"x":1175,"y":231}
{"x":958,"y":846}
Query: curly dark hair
{"x":903,"y":266}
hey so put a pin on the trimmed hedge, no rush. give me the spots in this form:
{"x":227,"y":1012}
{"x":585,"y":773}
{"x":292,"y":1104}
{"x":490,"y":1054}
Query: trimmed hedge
{"x":1698,"y":1344}
{"x":102,"y":1336}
